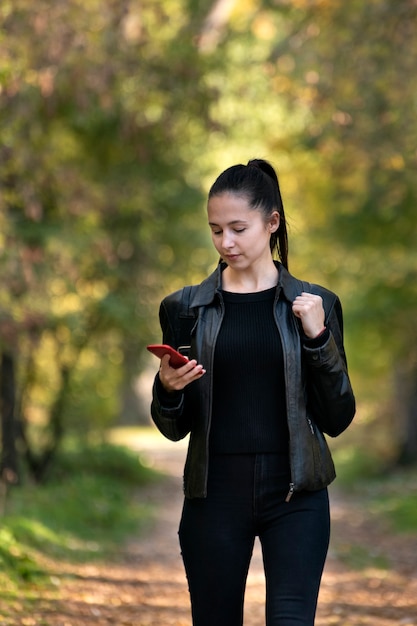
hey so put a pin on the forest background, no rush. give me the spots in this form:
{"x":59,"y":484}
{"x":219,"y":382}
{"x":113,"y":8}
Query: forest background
{"x":116,"y":116}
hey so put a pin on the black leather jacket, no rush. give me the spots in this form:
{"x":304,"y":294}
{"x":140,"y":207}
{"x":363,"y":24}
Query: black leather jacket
{"x":319,"y":396}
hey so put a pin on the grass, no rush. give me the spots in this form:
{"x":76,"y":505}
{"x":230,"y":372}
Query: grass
{"x":359,"y":557}
{"x":395,"y":498}
{"x":390,"y":494}
{"x":88,"y":507}
{"x":387,"y":495}
{"x":383,"y":500}
{"x":355,"y":465}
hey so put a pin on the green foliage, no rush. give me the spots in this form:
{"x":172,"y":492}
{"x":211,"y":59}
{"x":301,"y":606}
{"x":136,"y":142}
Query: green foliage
{"x":358,"y":557}
{"x":383,"y":497}
{"x":355,"y":465}
{"x":387,"y":494}
{"x":86,"y":509}
{"x":395,"y":499}
{"x":99,"y":197}
{"x":15,"y":559}
{"x":105,"y":460}
{"x":400,"y":510}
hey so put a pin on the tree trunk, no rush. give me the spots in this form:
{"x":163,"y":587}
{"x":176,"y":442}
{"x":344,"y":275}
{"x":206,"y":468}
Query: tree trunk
{"x":406,"y":406}
{"x":133,"y":409}
{"x":39,"y":462}
{"x":9,"y":463}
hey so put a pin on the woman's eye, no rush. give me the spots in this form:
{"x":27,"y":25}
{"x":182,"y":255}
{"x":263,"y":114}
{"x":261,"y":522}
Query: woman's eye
{"x":235,"y":230}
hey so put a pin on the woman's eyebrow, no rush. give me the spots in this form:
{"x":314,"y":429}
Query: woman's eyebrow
{"x":229,"y":223}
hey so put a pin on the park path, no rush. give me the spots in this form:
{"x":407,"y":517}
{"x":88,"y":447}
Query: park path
{"x":145,"y":585}
{"x":373,"y":596}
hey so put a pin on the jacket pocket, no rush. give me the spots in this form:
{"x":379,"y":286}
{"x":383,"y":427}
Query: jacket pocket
{"x":324,"y":471}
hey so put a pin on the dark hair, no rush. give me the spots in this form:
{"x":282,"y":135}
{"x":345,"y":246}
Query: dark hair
{"x":258,"y":183}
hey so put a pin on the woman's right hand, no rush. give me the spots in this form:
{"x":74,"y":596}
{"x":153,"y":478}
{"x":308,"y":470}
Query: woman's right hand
{"x":175,"y":379}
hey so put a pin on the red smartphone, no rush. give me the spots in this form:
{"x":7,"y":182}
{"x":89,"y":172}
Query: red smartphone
{"x":176,"y":358}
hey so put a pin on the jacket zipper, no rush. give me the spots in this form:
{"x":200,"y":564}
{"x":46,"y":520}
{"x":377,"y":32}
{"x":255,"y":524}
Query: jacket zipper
{"x":310,"y":423}
{"x":290,"y":493}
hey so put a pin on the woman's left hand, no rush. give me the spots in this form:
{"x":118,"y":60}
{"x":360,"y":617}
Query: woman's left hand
{"x":309,"y":309}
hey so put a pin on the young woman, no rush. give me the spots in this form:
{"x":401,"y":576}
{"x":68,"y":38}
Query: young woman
{"x":267,"y":376}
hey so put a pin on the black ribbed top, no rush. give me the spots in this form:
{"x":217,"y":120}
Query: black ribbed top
{"x":249,"y":408}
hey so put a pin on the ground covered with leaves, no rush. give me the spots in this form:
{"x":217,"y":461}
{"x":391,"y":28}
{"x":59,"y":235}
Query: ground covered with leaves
{"x":370,"y":576}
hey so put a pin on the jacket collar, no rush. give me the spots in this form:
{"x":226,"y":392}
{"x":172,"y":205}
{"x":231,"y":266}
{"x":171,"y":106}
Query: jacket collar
{"x":211,"y":286}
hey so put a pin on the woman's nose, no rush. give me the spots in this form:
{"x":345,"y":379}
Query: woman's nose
{"x":227,"y":240}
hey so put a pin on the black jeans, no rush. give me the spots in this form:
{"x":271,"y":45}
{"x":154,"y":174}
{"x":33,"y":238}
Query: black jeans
{"x":246,"y":498}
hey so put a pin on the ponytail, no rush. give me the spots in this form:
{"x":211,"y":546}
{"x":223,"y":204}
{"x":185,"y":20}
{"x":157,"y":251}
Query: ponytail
{"x":279,"y":239}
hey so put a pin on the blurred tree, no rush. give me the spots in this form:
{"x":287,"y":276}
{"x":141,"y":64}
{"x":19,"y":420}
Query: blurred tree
{"x":102,"y":114}
{"x":352,"y":68}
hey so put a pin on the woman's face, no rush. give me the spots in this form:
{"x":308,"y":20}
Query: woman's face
{"x":240,"y":234}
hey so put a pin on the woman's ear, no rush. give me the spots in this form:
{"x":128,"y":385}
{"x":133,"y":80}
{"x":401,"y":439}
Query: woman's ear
{"x":274,"y":222}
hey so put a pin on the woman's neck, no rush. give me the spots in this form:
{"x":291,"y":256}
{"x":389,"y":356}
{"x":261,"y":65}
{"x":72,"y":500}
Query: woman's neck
{"x":250,"y":281}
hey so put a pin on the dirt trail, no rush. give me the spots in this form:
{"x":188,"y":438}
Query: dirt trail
{"x":147,"y":586}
